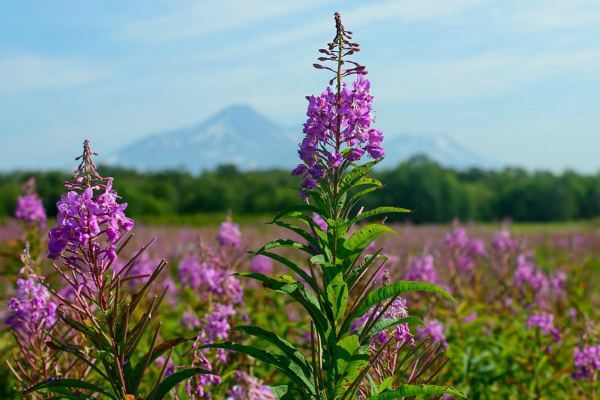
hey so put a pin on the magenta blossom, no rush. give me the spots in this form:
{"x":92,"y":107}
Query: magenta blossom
{"x":87,"y":217}
{"x":422,"y":269}
{"x":464,"y":249}
{"x":31,"y":209}
{"x":434,"y":330}
{"x":32,"y":308}
{"x":586,"y":360}
{"x":262,"y":265}
{"x":336,"y":120}
{"x":545,"y":322}
{"x":230,"y":235}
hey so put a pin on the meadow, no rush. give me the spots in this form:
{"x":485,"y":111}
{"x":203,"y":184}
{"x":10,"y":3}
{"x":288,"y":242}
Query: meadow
{"x":329,"y":299}
{"x":488,"y":348}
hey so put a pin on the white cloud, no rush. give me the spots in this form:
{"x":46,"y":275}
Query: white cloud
{"x":33,"y":72}
{"x":489,"y":73}
{"x":409,"y":10}
{"x":550,"y":14}
{"x":203,"y":18}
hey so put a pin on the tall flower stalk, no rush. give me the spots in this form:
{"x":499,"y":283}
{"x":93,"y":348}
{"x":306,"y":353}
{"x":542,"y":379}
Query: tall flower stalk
{"x":32,"y":320}
{"x":338,"y":284}
{"x":32,"y":214}
{"x":119,"y":337}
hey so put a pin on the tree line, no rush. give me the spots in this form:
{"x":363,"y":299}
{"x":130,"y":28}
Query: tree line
{"x":434,"y":193}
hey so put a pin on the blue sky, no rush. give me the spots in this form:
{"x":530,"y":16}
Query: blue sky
{"x":517,"y":81}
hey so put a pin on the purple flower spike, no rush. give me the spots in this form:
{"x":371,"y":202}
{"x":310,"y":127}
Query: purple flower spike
{"x":229,"y":235}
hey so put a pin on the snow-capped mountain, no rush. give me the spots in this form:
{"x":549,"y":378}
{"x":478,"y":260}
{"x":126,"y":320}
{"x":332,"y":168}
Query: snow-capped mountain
{"x":236,"y":135}
{"x":242,"y":136}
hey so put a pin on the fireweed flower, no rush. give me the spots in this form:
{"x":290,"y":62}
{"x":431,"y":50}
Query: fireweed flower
{"x":214,"y":326}
{"x":262,"y":265}
{"x":400,"y":332}
{"x":91,"y":229}
{"x":194,"y":274}
{"x":86,"y":217}
{"x":90,"y":221}
{"x":249,"y":387}
{"x":89,"y":225}
{"x":170,"y":368}
{"x":464,"y":249}
{"x":210,"y":278}
{"x":229,"y":234}
{"x":545,"y":323}
{"x":502,"y":242}
{"x":558,"y":282}
{"x":422,"y":269}
{"x":586,"y":361}
{"x":434,"y":330}
{"x":199,"y":386}
{"x":30,"y":208}
{"x":31,"y":309}
{"x":31,"y":317}
{"x":338,"y":127}
{"x":190,"y":320}
{"x":528,"y":276}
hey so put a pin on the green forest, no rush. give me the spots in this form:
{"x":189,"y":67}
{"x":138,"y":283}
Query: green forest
{"x":434,"y":193}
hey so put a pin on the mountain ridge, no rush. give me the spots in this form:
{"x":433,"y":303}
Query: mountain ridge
{"x":240,"y":135}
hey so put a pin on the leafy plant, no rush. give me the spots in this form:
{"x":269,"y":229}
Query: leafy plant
{"x":338,"y":286}
{"x":110,"y":325}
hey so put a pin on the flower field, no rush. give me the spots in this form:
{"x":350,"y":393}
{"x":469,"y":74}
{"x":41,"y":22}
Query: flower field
{"x":524,"y":325}
{"x":323,"y":301}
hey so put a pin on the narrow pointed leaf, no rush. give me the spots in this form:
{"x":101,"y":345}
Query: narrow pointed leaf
{"x":398,"y":288}
{"x":286,"y":347}
{"x":377,"y":211}
{"x":69,"y":384}
{"x":278,"y":361}
{"x":170,"y":382}
{"x":417,"y":390}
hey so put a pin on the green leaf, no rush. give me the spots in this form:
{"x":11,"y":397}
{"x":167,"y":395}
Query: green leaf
{"x":292,"y":266}
{"x":354,"y":175}
{"x":360,"y":194}
{"x":363,"y":237}
{"x":286,"y":347}
{"x":416,"y":390}
{"x":388,"y":291}
{"x":350,"y":360}
{"x":337,"y":295}
{"x":69,"y":384}
{"x":94,"y":337}
{"x":280,"y":392}
{"x":298,"y":292}
{"x":158,"y":350}
{"x":280,"y":362}
{"x":300,"y":208}
{"x":356,"y":272}
{"x":386,"y":323}
{"x":173,"y":380}
{"x":377,"y":211}
{"x":386,"y":384}
{"x":299,"y":231}
{"x":287,"y":243}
